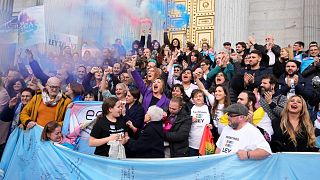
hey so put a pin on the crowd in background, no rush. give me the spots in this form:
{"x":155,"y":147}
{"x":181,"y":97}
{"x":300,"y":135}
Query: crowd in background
{"x":158,"y":99}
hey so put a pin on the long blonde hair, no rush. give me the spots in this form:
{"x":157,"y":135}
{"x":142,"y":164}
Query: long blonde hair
{"x":304,"y":121}
{"x":290,"y":52}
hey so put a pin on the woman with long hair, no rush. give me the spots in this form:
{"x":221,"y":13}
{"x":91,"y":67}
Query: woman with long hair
{"x":218,"y":99}
{"x":110,"y":126}
{"x":185,"y":79}
{"x":134,"y":114}
{"x":15,"y":86}
{"x":151,"y":96}
{"x":294,"y":132}
{"x":177,"y":90}
{"x":221,"y":101}
{"x":279,"y":66}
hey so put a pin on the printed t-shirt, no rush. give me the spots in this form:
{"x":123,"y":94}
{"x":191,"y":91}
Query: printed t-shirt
{"x":202,"y":116}
{"x":104,"y":128}
{"x":247,"y":138}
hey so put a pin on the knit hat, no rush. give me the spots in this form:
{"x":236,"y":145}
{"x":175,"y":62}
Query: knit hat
{"x":237,"y":108}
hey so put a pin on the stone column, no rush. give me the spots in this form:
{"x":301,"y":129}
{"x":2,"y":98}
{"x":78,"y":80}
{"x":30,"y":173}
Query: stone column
{"x":6,"y":7}
{"x":311,"y":21}
{"x":231,"y":22}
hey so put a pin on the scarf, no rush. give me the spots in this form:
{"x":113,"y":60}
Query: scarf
{"x":16,"y":117}
{"x":48,"y":101}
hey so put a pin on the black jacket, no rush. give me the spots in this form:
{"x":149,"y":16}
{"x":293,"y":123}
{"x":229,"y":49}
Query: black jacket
{"x":303,"y":88}
{"x":136,"y":115}
{"x":276,"y":49}
{"x":150,"y":141}
{"x":178,"y":135}
{"x":237,"y":82}
{"x":281,"y":141}
{"x":311,"y":71}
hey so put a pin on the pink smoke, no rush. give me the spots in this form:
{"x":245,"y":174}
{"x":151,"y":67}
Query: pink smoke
{"x":124,"y":11}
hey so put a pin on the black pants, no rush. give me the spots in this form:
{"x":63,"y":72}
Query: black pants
{"x":2,"y":146}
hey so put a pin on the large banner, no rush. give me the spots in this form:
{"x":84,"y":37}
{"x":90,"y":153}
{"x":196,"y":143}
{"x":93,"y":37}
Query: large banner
{"x":26,"y":157}
{"x":32,"y":26}
{"x":81,"y":112}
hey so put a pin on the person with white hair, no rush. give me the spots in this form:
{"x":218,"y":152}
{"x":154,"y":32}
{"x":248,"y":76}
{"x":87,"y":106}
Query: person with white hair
{"x":151,"y":137}
{"x":47,"y":105}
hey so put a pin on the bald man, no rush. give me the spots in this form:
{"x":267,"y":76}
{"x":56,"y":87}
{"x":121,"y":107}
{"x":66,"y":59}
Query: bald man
{"x":272,"y":50}
{"x":48,"y":105}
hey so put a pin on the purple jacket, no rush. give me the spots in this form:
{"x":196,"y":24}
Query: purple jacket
{"x":147,"y":93}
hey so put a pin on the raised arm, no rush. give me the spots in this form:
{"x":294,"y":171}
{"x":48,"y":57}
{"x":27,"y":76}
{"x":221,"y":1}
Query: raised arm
{"x":136,"y":76}
{"x":170,"y":70}
{"x":202,"y":87}
{"x":36,"y":69}
{"x":149,"y":43}
{"x":166,"y":38}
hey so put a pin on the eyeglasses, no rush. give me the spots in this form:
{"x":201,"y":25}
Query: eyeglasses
{"x":176,"y":70}
{"x":202,"y":64}
{"x":54,"y":87}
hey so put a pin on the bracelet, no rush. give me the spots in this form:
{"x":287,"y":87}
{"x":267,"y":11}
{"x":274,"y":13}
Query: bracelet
{"x":248,"y":155}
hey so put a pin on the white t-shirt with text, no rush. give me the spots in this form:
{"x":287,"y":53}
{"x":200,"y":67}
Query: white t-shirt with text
{"x":247,"y":138}
{"x":202,"y":116}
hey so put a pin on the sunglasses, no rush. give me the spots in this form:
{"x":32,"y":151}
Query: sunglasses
{"x":233,"y":115}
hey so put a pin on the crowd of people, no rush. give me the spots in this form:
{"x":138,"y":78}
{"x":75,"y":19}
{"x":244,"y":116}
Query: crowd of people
{"x":158,"y":99}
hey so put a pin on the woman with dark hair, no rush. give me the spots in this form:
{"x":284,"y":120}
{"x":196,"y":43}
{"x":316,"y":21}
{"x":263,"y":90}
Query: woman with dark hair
{"x":15,"y":86}
{"x":186,"y":78}
{"x":294,"y":132}
{"x":109,"y":126}
{"x":175,"y":45}
{"x":187,"y":54}
{"x":75,"y":91}
{"x":177,"y":90}
{"x":151,"y":96}
{"x":153,"y":46}
{"x":164,"y":55}
{"x":89,"y":96}
{"x":195,"y":58}
{"x":221,"y":101}
{"x":134,"y":113}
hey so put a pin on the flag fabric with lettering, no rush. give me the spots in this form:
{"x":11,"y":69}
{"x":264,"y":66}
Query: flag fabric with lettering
{"x":81,"y":112}
{"x":206,"y":146}
{"x":27,"y":156}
